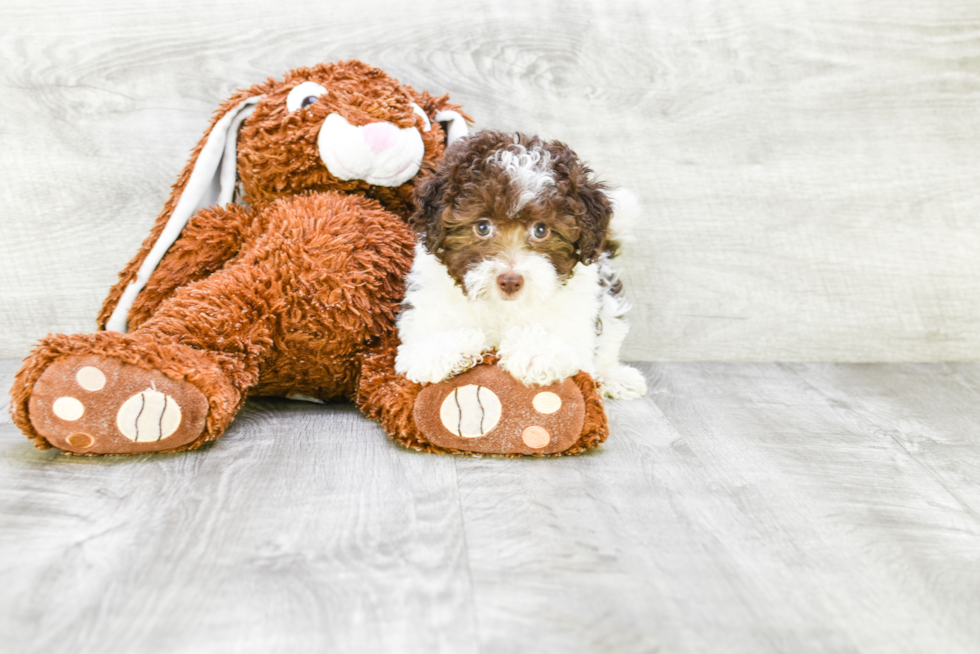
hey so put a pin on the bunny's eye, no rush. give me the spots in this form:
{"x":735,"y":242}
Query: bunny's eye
{"x":303,"y":95}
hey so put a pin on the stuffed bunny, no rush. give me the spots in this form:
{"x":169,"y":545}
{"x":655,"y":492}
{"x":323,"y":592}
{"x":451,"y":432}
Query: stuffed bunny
{"x":277,"y":267}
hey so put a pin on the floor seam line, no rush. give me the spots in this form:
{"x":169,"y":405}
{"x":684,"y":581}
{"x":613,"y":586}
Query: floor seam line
{"x":466,"y":549}
{"x":870,"y":418}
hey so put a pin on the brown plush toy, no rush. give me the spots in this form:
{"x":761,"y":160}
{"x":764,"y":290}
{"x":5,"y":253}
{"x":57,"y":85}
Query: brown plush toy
{"x":291,"y":292}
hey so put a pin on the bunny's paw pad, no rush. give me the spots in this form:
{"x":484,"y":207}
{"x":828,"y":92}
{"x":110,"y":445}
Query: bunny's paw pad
{"x":486,"y":411}
{"x":91,"y":404}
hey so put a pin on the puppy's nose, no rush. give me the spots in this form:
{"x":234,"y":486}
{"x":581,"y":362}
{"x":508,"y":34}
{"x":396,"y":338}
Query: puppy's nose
{"x":510,"y":282}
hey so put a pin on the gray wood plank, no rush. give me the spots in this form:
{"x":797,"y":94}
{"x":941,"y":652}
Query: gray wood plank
{"x":809,"y":169}
{"x":735,"y":510}
{"x":833,"y":535}
{"x":303,"y":529}
{"x":930,"y":410}
{"x":739,"y":508}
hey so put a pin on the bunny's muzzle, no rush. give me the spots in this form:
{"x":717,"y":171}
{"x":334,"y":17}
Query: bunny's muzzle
{"x":381,"y":153}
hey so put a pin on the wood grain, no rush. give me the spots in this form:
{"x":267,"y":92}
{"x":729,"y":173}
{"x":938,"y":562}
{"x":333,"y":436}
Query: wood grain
{"x":305,"y":531}
{"x":866,"y":543}
{"x":739,"y":508}
{"x":809,"y":170}
{"x":934,"y":422}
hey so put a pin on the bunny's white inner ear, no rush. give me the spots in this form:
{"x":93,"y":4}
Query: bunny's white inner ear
{"x":457,"y":125}
{"x":211,"y":182}
{"x":421,"y":112}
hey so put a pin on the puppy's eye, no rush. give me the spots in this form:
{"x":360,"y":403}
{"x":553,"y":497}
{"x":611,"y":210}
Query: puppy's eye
{"x":483,"y":228}
{"x":303,"y":95}
{"x":540,"y":231}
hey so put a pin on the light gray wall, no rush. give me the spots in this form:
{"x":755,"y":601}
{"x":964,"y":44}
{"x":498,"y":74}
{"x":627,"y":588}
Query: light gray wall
{"x":809,"y":169}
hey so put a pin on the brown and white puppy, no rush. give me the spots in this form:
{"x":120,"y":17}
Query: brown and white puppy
{"x":513,"y":256}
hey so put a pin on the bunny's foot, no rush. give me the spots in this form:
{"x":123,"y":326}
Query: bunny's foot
{"x":92,"y":404}
{"x":486,"y":411}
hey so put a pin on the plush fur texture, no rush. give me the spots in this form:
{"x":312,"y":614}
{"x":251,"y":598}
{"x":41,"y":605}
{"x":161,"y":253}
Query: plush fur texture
{"x":514,"y":257}
{"x":278,"y":157}
{"x":290,"y":294}
{"x":294,"y":292}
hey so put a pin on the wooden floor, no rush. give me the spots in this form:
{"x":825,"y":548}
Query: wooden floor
{"x":739,"y":508}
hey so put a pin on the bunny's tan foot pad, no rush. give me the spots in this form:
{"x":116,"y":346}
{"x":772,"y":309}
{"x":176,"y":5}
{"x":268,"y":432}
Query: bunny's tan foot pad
{"x":99,"y":405}
{"x":486,"y":411}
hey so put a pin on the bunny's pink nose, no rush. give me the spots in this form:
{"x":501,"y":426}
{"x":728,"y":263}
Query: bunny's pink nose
{"x":380,"y":136}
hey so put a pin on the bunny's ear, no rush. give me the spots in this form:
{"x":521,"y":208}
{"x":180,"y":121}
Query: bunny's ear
{"x":208,"y":180}
{"x":452,"y":119}
{"x":453,"y":124}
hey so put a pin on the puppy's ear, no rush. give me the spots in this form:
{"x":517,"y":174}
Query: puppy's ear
{"x":594,"y":212}
{"x":430,"y":202}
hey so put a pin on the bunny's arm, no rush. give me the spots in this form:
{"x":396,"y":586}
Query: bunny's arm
{"x":212,"y":237}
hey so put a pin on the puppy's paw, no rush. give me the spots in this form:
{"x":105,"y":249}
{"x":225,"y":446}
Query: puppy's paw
{"x":536,"y":358}
{"x":622,"y":383}
{"x":441,"y":355}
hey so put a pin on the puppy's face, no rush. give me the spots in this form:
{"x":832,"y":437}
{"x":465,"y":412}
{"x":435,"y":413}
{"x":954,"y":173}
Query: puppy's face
{"x":510,"y":216}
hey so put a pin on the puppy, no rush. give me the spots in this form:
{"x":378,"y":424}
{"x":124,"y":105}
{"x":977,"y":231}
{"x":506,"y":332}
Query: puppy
{"x":514,"y":256}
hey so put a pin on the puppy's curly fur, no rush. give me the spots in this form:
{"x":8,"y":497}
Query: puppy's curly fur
{"x":514,"y":255}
